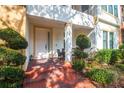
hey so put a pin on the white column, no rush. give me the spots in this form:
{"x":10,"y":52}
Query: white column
{"x":27,"y":49}
{"x":68,"y":42}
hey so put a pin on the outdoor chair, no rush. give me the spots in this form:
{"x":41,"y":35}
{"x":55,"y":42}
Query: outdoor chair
{"x":59,"y":53}
{"x":63,"y":53}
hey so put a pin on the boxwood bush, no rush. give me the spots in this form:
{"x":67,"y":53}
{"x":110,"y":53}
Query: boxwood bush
{"x":80,"y":54}
{"x":10,"y":56}
{"x":11,"y":73}
{"x":121,"y":46}
{"x":101,"y":76}
{"x":115,"y":56}
{"x":11,"y":77}
{"x":103,"y":56}
{"x":82,"y":41}
{"x":13,"y":39}
{"x":7,"y":84}
{"x":78,"y":64}
{"x":122,"y":53}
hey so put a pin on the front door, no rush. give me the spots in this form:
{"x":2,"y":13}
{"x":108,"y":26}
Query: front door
{"x":41,"y":43}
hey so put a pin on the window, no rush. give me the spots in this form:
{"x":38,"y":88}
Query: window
{"x":110,"y":9}
{"x":104,"y":7}
{"x":84,"y":7}
{"x":105,"y":39}
{"x":115,"y":10}
{"x":111,"y":40}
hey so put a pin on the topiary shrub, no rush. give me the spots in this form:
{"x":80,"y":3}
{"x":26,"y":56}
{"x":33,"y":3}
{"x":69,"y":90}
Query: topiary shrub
{"x":102,"y":76}
{"x":13,"y":39}
{"x":10,"y":74}
{"x":11,"y":77}
{"x":82,"y":41}
{"x":121,"y":46}
{"x":6,"y":84}
{"x":11,"y":57}
{"x":78,"y":65}
{"x":103,"y":56}
{"x":80,"y":54}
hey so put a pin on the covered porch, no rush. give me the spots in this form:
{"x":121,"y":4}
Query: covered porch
{"x":47,"y":37}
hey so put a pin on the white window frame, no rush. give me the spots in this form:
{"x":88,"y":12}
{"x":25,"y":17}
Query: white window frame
{"x":112,"y":9}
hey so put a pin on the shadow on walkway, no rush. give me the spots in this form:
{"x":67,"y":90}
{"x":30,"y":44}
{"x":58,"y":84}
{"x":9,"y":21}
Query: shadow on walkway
{"x":54,"y":74}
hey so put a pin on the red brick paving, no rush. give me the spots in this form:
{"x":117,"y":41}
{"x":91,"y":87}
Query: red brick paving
{"x":54,"y":74}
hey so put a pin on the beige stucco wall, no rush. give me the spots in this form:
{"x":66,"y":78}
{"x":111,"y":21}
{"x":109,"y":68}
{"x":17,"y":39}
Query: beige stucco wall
{"x":107,"y":27}
{"x":13,"y":16}
{"x":109,"y":18}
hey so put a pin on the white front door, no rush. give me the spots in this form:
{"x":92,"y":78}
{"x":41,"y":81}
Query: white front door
{"x":41,"y":43}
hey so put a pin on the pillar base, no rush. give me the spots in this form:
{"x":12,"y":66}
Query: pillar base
{"x":67,"y":64}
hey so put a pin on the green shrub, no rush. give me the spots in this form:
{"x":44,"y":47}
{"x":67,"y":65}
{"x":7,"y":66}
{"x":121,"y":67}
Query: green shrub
{"x":103,"y":56}
{"x":6,"y":84}
{"x":120,"y":66}
{"x":101,"y":76}
{"x":122,"y":54}
{"x":13,"y":39}
{"x":80,"y":54}
{"x":10,"y":56}
{"x":121,"y":46}
{"x":78,"y":65}
{"x":115,"y":56}
{"x":11,"y":77}
{"x":82,"y":41}
{"x":11,"y":74}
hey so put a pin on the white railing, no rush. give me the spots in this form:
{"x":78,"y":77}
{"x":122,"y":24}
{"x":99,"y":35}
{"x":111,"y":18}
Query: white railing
{"x":61,"y":13}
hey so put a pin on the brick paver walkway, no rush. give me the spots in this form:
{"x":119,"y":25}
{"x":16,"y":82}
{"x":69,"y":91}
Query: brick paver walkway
{"x":54,"y":74}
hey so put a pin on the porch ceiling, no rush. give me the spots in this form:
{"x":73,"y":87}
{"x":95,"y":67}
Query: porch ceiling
{"x":43,"y":22}
{"x":49,"y":23}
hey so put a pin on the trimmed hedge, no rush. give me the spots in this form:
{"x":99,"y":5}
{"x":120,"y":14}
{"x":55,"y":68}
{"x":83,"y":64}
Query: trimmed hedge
{"x":80,"y":54}
{"x":6,"y":84}
{"x":115,"y":56}
{"x":11,"y":77}
{"x":10,"y":56}
{"x":102,"y":76}
{"x":121,"y":46}
{"x":11,"y":73}
{"x":122,"y":53}
{"x":13,"y":39}
{"x":103,"y":56}
{"x":109,"y":56}
{"x":82,"y":41}
{"x":78,"y":64}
